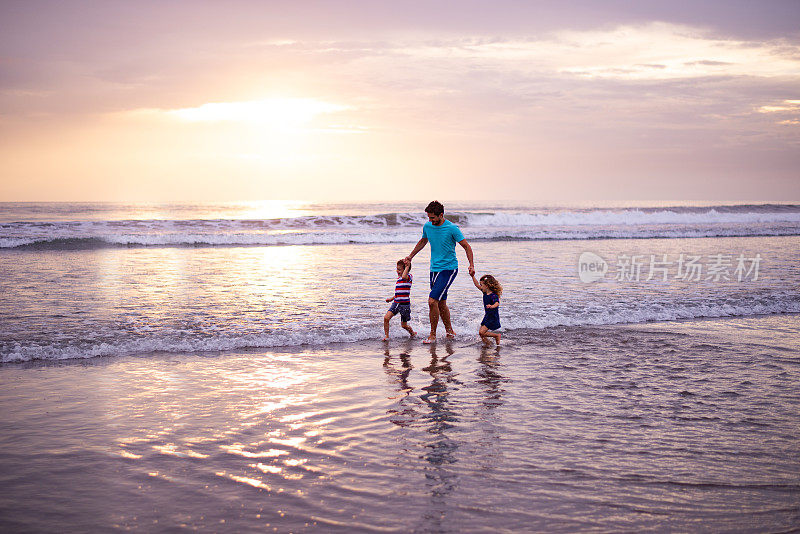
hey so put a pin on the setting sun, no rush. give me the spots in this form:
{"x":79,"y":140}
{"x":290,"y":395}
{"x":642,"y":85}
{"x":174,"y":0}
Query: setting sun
{"x":278,"y":113}
{"x":518,"y":266}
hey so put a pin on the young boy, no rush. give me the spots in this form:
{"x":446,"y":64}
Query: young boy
{"x":402,"y":300}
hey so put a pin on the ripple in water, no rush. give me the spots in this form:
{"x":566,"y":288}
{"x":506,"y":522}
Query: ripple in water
{"x":565,"y":429}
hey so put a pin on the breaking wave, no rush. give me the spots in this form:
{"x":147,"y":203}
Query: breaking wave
{"x":678,"y":222}
{"x":17,"y":352}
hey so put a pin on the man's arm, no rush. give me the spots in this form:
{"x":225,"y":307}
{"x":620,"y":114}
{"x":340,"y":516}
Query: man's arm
{"x":419,"y":246}
{"x":468,"y":250}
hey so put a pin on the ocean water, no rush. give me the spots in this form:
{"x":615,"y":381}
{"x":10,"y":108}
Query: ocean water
{"x":218,"y":368}
{"x":86,"y":280}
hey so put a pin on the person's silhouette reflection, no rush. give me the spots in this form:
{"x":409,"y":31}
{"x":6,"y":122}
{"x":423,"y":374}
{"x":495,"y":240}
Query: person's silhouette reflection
{"x":440,"y":447}
{"x":491,"y":381}
{"x":489,"y":376}
{"x":434,"y":413}
{"x":404,"y":412}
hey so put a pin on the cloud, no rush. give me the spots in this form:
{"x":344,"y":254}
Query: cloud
{"x":629,"y":97}
{"x":654,"y":51}
{"x":786,"y":105}
{"x":421,"y":67}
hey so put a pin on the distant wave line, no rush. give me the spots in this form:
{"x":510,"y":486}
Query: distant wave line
{"x":262,"y":240}
{"x":475,"y":219}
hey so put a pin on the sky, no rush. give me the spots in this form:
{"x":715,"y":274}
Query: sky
{"x":375,"y":101}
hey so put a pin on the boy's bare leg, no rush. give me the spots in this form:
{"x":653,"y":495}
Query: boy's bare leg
{"x":408,"y":328}
{"x":444,"y":312}
{"x":433,"y":315}
{"x":386,"y":319}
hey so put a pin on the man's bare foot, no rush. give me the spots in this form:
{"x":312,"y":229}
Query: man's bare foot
{"x":430,"y":339}
{"x":412,"y":334}
{"x":385,"y":338}
{"x":451,"y":334}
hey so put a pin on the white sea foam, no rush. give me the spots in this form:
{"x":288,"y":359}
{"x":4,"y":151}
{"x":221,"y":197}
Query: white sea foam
{"x":55,"y":312}
{"x":323,"y":336}
{"x":631,"y":217}
{"x":94,"y":241}
{"x":405,"y":228}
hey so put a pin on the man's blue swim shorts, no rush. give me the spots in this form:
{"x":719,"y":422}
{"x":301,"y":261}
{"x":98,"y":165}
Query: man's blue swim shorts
{"x":403,"y":309}
{"x":440,"y":282}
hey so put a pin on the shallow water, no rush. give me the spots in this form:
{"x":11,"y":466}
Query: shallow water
{"x":687,"y":426}
{"x":85,"y":303}
{"x":172,"y":367}
{"x":85,"y":279}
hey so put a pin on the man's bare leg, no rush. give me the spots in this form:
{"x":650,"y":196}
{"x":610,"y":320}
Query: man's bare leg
{"x":433,"y":315}
{"x":444,"y":312}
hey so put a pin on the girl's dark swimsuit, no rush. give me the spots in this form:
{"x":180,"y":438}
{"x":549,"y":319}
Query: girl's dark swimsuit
{"x":492,"y":318}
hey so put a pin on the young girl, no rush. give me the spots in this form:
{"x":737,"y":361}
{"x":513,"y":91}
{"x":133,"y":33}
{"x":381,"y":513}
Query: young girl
{"x":492,"y":290}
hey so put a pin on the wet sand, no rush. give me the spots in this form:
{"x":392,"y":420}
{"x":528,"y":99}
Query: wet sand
{"x":687,"y":426}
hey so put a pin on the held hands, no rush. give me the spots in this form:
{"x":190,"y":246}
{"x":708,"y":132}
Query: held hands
{"x":390,"y":299}
{"x":471,"y":270}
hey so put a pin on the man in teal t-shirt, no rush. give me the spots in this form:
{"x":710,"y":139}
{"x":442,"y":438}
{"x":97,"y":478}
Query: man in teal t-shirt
{"x":443,"y":236}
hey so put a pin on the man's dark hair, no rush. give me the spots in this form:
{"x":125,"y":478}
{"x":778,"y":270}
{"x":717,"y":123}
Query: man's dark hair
{"x":435,"y":208}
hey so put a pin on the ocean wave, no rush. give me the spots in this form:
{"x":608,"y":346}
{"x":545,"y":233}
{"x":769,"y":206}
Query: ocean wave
{"x":18,"y":352}
{"x":631,"y":217}
{"x":766,"y":213}
{"x":373,"y":237}
{"x":677,"y":222}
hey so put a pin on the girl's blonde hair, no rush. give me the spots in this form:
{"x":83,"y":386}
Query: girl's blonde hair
{"x":492,"y":283}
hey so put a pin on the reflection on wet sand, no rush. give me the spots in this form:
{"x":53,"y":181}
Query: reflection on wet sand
{"x":436,"y":411}
{"x":405,"y":413}
{"x":440,"y":450}
{"x":490,"y":377}
{"x":574,"y":430}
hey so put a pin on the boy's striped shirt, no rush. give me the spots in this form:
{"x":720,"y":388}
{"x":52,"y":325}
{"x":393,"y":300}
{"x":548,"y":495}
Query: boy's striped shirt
{"x":402,"y":290}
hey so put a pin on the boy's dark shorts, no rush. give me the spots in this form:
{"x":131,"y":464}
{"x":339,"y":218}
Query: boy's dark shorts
{"x":403,"y":309}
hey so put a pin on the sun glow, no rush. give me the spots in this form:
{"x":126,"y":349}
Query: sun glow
{"x":275,"y":112}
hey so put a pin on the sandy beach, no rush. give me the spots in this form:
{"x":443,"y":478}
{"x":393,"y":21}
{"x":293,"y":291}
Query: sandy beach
{"x":663,"y":426}
{"x":221,"y":222}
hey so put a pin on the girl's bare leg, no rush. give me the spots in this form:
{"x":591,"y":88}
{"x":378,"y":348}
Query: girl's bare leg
{"x":485,"y":333}
{"x":482,"y":332}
